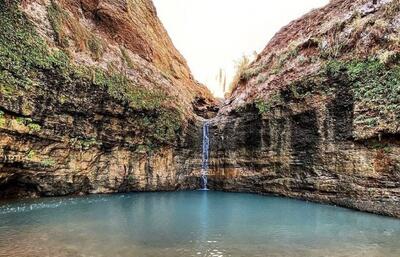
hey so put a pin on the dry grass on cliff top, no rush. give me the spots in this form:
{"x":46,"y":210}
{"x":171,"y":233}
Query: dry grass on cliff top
{"x":342,"y":30}
{"x":351,"y":43}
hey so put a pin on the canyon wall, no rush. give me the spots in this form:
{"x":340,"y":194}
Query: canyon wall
{"x":94,"y":98}
{"x":317,"y":116}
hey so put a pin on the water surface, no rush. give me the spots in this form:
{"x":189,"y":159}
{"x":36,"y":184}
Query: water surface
{"x":202,"y":223}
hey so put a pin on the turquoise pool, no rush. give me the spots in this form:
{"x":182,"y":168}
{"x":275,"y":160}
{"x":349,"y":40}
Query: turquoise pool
{"x":200,"y":223}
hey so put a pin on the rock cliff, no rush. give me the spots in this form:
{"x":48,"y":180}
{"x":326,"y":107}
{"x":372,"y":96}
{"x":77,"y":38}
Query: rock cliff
{"x":317,"y":116}
{"x":94,"y":98}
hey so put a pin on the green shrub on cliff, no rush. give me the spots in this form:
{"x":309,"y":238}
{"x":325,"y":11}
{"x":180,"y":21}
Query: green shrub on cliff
{"x":22,"y":52}
{"x":370,"y":80}
{"x":31,"y":154}
{"x":24,"y":56}
{"x":86,"y":144}
{"x":265,"y":106}
{"x":121,"y":87}
{"x":32,"y":126}
{"x":262,"y":106}
{"x":168,"y":123}
{"x":2,"y":119}
{"x":48,"y":162}
{"x":131,"y":178}
{"x":57,"y":16}
{"x":375,"y":87}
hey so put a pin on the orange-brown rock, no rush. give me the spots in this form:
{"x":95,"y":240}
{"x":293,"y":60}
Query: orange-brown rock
{"x":94,"y":98}
{"x":316,"y":116}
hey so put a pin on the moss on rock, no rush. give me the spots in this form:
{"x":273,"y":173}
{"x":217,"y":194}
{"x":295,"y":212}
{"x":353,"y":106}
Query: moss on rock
{"x":376,"y":90}
{"x":27,"y":64}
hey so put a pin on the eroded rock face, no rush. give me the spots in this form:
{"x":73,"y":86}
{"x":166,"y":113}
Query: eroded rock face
{"x":90,"y":147}
{"x":316,"y":116}
{"x":94,"y":98}
{"x":301,"y":153}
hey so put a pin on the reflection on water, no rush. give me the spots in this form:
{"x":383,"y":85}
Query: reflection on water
{"x":197,"y":223}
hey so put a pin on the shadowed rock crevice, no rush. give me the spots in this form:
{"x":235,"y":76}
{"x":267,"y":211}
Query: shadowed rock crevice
{"x":341,"y":110}
{"x":304,"y":137}
{"x":17,"y":188}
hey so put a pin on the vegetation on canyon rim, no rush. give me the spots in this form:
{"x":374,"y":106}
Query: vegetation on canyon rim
{"x":338,"y":58}
{"x":374,"y":85}
{"x":370,"y":80}
{"x":376,"y":89}
{"x":27,"y":64}
{"x":241,"y":67}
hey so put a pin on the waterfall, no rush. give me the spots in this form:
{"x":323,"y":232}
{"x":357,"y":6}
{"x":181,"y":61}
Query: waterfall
{"x":204,"y":162}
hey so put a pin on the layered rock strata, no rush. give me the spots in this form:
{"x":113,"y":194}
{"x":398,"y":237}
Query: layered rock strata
{"x":316,"y":115}
{"x":94,"y":98}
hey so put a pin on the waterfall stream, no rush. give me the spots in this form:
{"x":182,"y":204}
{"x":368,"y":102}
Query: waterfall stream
{"x":204,"y":163}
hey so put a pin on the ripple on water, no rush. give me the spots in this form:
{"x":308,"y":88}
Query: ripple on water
{"x":191,"y":224}
{"x":39,"y":204}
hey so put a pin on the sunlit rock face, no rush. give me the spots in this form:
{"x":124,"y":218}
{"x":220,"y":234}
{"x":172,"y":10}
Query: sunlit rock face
{"x":94,"y":98}
{"x":316,"y":115}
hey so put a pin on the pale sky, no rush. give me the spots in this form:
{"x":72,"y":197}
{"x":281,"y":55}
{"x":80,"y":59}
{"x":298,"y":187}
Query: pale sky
{"x":213,"y":34}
